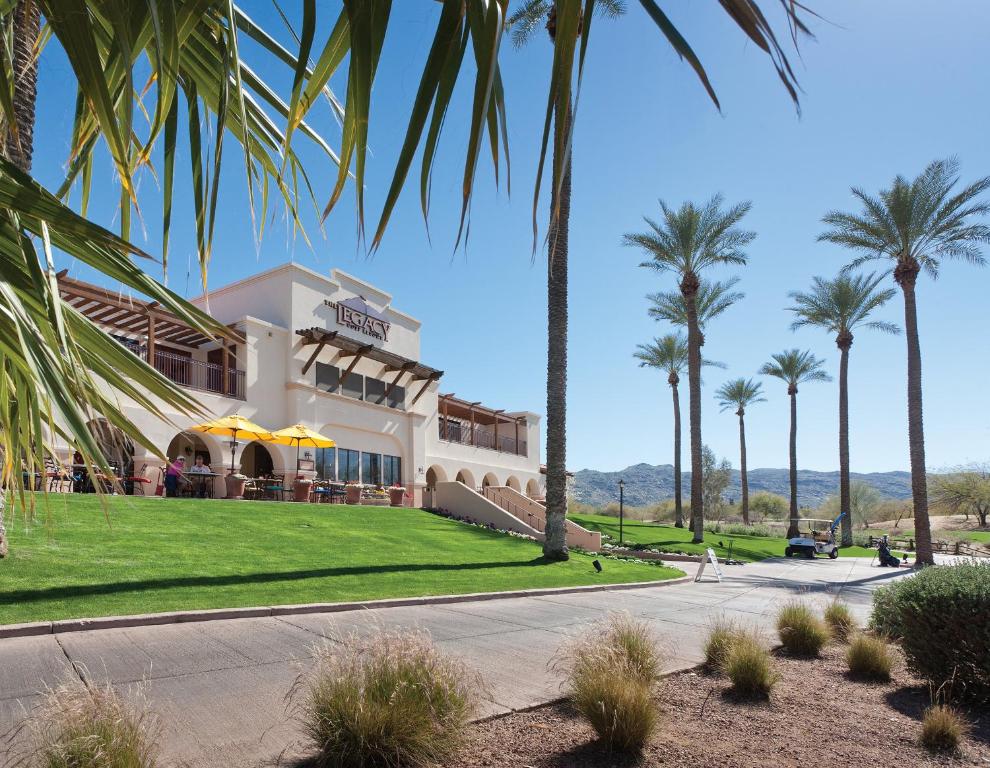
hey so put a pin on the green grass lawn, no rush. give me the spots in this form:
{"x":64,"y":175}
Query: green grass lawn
{"x":667,"y":538}
{"x":149,"y":555}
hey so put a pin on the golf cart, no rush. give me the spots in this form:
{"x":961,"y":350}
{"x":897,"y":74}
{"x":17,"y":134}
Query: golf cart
{"x":817,"y":542}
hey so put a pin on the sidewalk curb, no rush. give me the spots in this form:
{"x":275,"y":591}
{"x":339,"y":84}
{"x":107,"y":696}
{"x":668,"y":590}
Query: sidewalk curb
{"x":61,"y":626}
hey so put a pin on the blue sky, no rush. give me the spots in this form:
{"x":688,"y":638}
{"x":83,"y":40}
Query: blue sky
{"x":887,"y":87}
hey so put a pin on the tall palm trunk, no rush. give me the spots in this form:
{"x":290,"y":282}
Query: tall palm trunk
{"x":674,"y":380}
{"x":844,"y":342}
{"x":792,"y":528}
{"x":555,"y":544}
{"x":742,"y":466}
{"x":689,"y":290}
{"x":18,"y":146}
{"x":906,"y":274}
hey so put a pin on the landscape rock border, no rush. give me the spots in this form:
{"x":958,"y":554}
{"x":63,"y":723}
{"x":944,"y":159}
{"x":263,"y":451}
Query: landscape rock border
{"x":32,"y":629}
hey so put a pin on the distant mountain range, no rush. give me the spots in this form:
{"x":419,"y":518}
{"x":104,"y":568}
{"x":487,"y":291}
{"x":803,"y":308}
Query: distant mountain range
{"x":647,"y":484}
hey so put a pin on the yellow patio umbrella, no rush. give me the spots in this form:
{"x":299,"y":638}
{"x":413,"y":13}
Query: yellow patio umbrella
{"x":299,"y":435}
{"x":233,"y":427}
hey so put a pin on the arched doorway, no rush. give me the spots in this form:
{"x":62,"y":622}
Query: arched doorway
{"x":533,"y":489}
{"x":256,"y":461}
{"x":190,"y":445}
{"x":513,"y":482}
{"x":465,"y":476}
{"x":434,"y":475}
{"x":489,"y":480}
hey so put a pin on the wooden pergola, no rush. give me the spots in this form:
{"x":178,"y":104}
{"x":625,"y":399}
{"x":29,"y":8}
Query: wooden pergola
{"x":475,"y":414}
{"x":353,"y":351}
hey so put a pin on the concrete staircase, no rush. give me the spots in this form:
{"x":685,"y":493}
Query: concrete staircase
{"x":508,"y":510}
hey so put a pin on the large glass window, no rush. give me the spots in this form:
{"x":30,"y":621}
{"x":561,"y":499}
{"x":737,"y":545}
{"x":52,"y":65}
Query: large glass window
{"x":348,"y":465}
{"x":397,"y":398}
{"x":326,"y":459}
{"x":371,"y":468}
{"x":391,"y":470}
{"x":374,"y":390}
{"x":353,"y":386}
{"x":327,"y":377}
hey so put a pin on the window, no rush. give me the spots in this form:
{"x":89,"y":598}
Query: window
{"x":327,"y":377}
{"x":348,"y":465}
{"x":326,"y":459}
{"x":397,"y":398}
{"x":391,"y":470}
{"x":374,"y":390}
{"x":371,"y":468}
{"x":353,"y":386}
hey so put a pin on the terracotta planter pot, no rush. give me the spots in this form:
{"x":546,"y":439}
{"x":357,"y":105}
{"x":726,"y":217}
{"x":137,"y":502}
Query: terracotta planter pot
{"x":353,"y":494}
{"x":235,"y":486}
{"x":396,"y":496}
{"x":301,"y":488}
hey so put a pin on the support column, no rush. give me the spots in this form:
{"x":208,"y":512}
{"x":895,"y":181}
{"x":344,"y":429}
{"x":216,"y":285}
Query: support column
{"x":151,"y":340}
{"x":225,"y":367}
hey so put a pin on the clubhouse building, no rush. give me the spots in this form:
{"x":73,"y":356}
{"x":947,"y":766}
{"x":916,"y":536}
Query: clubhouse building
{"x":330,"y":352}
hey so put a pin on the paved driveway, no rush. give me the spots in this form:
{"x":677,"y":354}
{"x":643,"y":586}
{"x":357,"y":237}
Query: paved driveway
{"x":220,"y":687}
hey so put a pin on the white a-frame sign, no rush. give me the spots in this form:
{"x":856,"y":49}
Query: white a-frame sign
{"x":712,"y":558}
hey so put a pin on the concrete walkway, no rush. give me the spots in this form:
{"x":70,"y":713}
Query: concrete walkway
{"x":220,"y":687}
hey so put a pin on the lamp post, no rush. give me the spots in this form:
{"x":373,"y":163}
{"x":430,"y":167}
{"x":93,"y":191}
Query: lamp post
{"x":622,"y":484}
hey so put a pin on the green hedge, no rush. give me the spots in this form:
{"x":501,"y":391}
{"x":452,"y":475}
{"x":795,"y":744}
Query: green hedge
{"x":942,"y":617}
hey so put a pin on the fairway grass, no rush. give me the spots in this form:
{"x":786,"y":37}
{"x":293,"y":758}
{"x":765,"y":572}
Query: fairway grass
{"x":667,"y":538}
{"x":152,"y":555}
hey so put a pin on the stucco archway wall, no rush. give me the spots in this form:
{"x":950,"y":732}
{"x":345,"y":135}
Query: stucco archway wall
{"x":188,"y":444}
{"x":533,"y":488}
{"x":465,"y":476}
{"x":434,"y":475}
{"x":513,"y":482}
{"x":489,"y":479}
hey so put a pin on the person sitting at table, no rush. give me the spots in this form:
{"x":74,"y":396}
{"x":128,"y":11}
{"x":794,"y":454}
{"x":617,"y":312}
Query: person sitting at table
{"x":80,"y":475}
{"x":200,"y":468}
{"x":175,"y":474}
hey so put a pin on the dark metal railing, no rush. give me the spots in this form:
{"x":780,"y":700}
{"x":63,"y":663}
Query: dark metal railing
{"x":194,"y":374}
{"x":481,"y":436}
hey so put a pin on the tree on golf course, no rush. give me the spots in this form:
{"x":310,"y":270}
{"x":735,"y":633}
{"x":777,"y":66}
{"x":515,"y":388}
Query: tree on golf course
{"x":913,"y":225}
{"x":794,"y":367}
{"x":740,"y":394}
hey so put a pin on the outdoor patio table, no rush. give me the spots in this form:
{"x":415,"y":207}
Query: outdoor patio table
{"x":199,"y":482}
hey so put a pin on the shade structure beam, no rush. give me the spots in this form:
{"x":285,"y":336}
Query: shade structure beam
{"x":425,"y":386}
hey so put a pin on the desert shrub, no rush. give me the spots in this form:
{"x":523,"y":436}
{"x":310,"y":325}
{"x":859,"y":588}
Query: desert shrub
{"x":738,"y":529}
{"x":840,"y":620}
{"x":801,"y":632}
{"x":942,"y":728}
{"x":868,"y":658}
{"x":80,"y":727}
{"x":750,"y":667}
{"x":942,"y":617}
{"x":393,"y":700}
{"x":722,"y":635}
{"x":612,"y":673}
{"x":768,"y":506}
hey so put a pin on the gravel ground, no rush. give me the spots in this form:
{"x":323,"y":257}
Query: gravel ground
{"x":815,"y":716}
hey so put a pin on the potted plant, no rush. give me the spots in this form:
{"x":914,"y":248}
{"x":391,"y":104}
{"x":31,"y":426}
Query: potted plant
{"x":301,"y":488}
{"x":235,"y":485}
{"x":396,"y":494}
{"x":352,"y":493}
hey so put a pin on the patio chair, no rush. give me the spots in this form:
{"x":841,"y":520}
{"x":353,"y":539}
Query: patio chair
{"x":322,"y":493}
{"x":138,"y":479}
{"x":274,"y":488}
{"x":252,"y":491}
{"x":58,"y":476}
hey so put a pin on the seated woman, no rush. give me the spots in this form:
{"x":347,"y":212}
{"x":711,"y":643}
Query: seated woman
{"x":200,"y":468}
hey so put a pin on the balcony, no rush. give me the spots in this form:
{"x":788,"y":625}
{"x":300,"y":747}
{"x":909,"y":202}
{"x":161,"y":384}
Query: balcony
{"x":193,"y":374}
{"x":481,"y":436}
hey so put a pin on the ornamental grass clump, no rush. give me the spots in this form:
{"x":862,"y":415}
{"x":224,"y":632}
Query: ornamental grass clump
{"x":942,"y":728}
{"x":840,"y":620}
{"x":92,"y":727}
{"x":394,"y":700}
{"x":801,"y":632}
{"x":869,"y":658}
{"x":750,"y":667}
{"x":722,"y":635}
{"x":612,"y":675}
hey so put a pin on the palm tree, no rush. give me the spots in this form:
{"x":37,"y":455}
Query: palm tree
{"x":913,"y":225}
{"x":56,"y":364}
{"x":713,"y":298}
{"x":839,"y":306}
{"x":687,"y":242}
{"x":523,"y":23}
{"x":670,"y":355}
{"x":740,"y":394}
{"x":794,"y":367}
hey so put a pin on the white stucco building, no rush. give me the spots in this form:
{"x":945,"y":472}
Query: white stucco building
{"x":330,"y":352}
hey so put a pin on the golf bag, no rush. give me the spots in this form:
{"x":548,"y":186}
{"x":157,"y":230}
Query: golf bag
{"x":886,"y":558}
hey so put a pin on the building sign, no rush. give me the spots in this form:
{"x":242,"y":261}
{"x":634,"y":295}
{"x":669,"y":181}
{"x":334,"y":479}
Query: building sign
{"x":355,"y":314}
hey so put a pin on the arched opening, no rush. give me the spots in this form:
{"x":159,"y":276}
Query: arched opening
{"x":256,"y":461}
{"x":434,"y":475}
{"x":533,"y":489}
{"x":489,"y":480}
{"x":513,"y":482}
{"x":190,"y":445}
{"x":117,"y":450}
{"x":465,"y":476}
